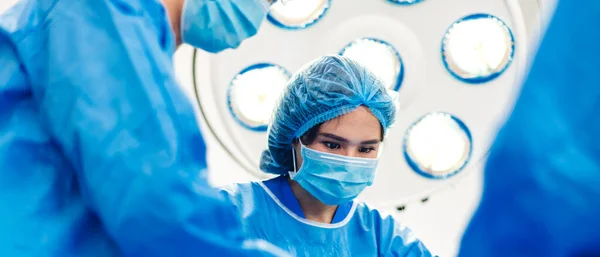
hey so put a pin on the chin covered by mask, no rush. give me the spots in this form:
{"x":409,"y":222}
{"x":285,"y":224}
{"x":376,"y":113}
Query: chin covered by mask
{"x":331,"y":178}
{"x":216,"y":25}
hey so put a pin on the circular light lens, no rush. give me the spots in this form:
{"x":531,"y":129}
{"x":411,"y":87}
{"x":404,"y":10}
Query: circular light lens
{"x":379,"y":57}
{"x":254,"y":92}
{"x":437,"y":146}
{"x":478,"y":48}
{"x":405,"y":2}
{"x":297,"y":14}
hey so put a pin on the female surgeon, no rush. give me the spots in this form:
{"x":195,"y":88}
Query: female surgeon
{"x":324,"y":142}
{"x":100,"y":151}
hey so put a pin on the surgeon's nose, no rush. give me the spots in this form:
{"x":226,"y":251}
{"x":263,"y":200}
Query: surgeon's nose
{"x":352,"y":152}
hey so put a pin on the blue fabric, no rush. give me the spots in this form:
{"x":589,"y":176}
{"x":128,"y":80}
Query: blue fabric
{"x":322,"y":90}
{"x":542,"y":179}
{"x":364,"y":232}
{"x":280,"y":187}
{"x":216,"y":25}
{"x":334,"y":179}
{"x":100,"y":152}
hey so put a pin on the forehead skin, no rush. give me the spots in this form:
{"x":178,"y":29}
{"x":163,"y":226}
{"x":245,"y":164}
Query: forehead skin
{"x":357,"y":126}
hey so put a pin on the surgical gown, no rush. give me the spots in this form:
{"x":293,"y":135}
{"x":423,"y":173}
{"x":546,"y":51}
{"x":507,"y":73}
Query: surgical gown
{"x":100,"y":153}
{"x":542,"y":180}
{"x":271,"y":212}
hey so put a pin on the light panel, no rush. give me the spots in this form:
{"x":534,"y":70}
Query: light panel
{"x":253,"y":94}
{"x":437,"y":146}
{"x":405,"y":2}
{"x":478,"y":48}
{"x":298,"y":14}
{"x":380,"y":58}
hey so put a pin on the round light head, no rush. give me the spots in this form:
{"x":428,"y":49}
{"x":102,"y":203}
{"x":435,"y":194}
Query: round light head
{"x":405,"y":2}
{"x":253,"y":94}
{"x":437,"y":146}
{"x":379,"y":57}
{"x":298,"y":14}
{"x":478,"y":48}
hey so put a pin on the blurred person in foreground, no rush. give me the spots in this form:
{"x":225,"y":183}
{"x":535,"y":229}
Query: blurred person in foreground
{"x":541,"y":194}
{"x":100,"y":152}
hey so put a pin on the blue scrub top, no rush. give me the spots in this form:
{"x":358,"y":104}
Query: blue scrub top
{"x":271,"y":212}
{"x":280,"y":187}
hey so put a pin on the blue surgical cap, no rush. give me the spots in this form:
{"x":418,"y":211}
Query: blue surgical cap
{"x":326,"y":88}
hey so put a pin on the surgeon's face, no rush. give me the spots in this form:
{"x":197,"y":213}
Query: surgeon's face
{"x":356,"y":134}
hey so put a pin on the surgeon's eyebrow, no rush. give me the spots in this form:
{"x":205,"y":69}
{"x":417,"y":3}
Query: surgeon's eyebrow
{"x":343,"y":140}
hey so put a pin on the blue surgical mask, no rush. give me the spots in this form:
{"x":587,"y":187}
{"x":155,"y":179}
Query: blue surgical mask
{"x":215,"y":25}
{"x":331,"y":178}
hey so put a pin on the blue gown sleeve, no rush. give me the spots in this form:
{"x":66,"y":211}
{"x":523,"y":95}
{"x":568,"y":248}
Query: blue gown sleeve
{"x":102,"y":75}
{"x":541,"y":187}
{"x":12,"y":74}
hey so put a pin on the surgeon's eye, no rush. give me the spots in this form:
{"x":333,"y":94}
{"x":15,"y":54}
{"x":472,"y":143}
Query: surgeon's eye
{"x":331,"y":145}
{"x":366,"y":149}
